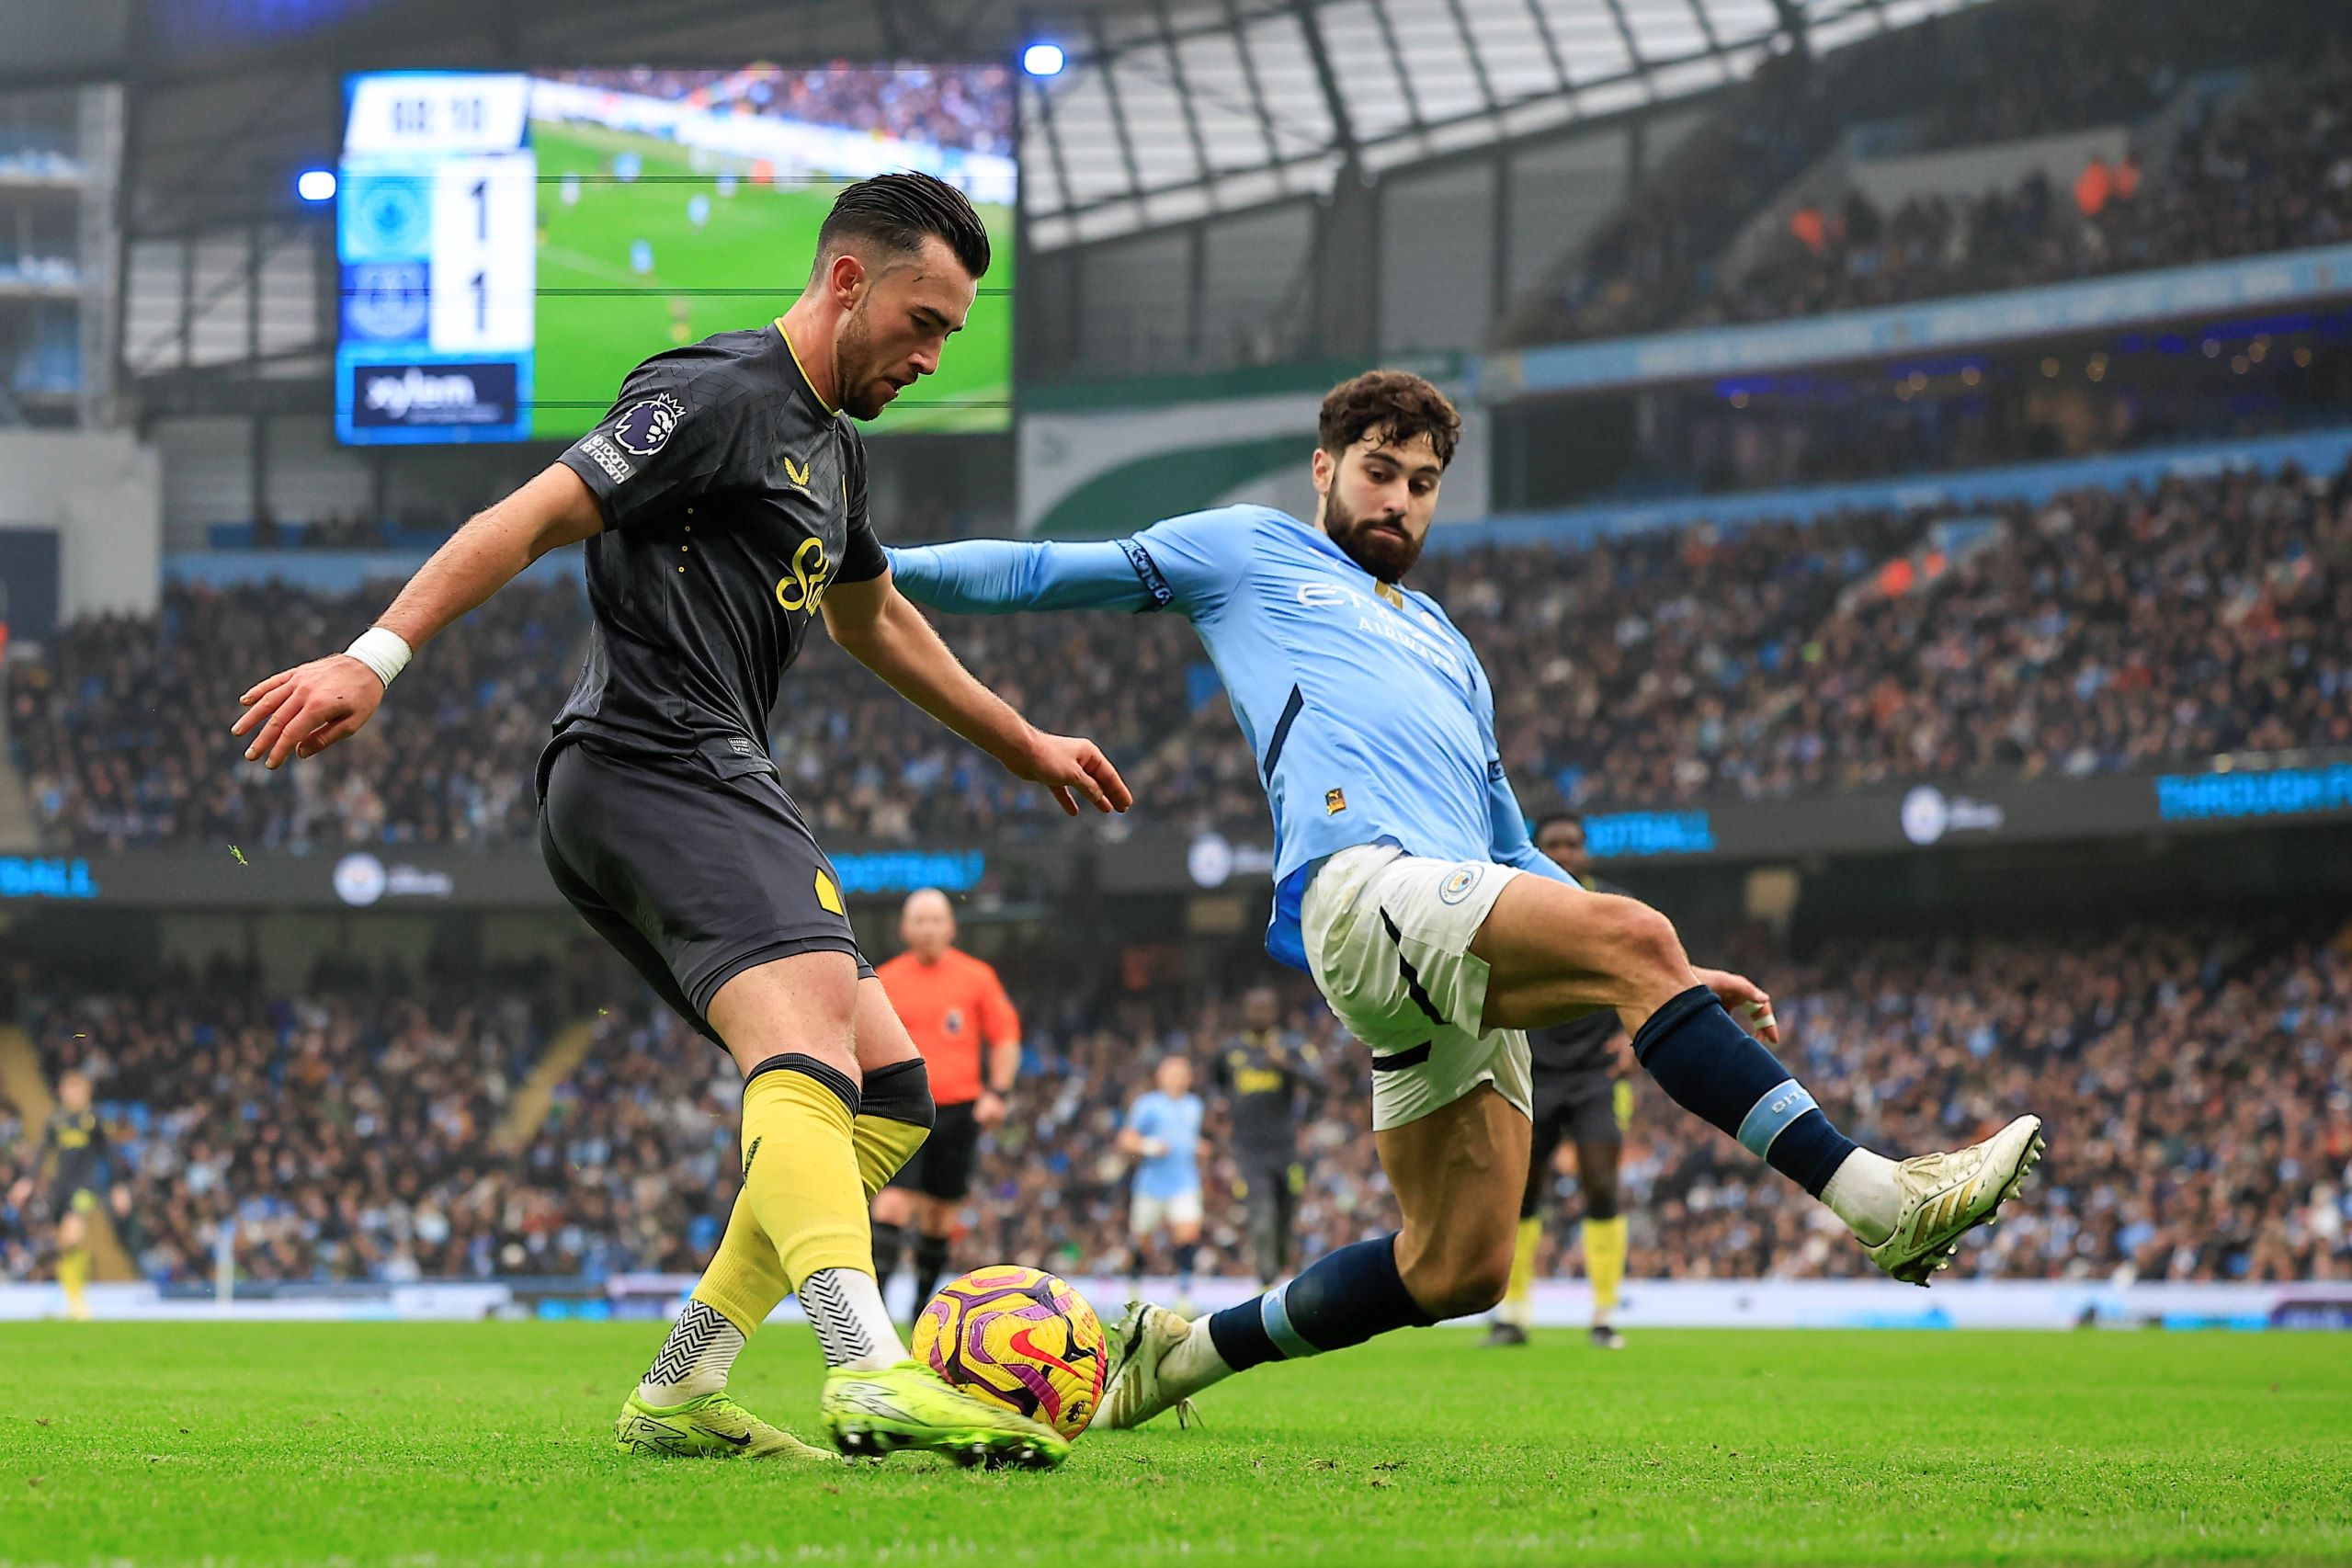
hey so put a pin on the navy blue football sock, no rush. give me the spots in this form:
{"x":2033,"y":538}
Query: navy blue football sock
{"x":1716,"y":1070}
{"x":1186,"y":1251}
{"x":1343,"y":1298}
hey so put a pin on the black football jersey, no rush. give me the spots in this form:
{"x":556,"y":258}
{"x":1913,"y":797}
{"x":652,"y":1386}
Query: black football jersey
{"x":733,"y":499}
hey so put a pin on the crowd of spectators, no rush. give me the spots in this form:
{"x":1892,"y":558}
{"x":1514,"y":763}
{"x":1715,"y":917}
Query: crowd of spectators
{"x":2197,"y":1082}
{"x":2002,"y":75}
{"x":122,"y":728}
{"x":2271,"y":171}
{"x":2100,"y":630}
{"x":964,"y":107}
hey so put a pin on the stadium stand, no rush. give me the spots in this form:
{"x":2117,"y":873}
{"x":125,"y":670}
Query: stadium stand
{"x":2254,"y":178}
{"x":2201,"y":1074}
{"x":2271,"y":173}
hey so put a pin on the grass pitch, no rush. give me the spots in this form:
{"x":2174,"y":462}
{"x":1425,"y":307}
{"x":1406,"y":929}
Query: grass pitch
{"x":253,"y":1444}
{"x":756,"y":242}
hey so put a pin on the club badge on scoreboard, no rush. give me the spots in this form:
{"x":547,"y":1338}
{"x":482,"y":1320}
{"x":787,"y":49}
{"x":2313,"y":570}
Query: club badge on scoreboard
{"x":386,"y":302}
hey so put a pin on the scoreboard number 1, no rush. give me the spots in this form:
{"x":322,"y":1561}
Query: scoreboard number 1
{"x":484,"y":241}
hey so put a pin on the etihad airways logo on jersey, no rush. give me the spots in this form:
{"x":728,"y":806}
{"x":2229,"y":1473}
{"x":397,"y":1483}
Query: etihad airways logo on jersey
{"x":811,"y":576}
{"x":1404,"y":626}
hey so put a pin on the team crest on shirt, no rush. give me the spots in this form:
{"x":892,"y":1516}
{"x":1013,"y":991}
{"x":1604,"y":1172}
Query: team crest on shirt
{"x":1460,"y":881}
{"x":953,"y":1022}
{"x":644,"y":427}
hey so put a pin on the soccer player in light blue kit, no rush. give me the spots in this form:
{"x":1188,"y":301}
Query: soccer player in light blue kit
{"x":1162,"y":1133}
{"x":1405,"y":884}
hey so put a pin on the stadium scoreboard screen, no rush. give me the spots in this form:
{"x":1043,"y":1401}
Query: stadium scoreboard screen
{"x":511,"y":243}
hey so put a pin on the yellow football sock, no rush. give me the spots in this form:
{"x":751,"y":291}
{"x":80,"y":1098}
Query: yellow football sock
{"x":801,"y":1171}
{"x":894,"y":1116}
{"x":1518,"y":1297}
{"x":74,"y":1274}
{"x":745,"y":1279}
{"x":1605,"y":1263}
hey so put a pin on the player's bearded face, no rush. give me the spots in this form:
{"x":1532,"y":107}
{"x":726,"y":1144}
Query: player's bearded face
{"x":1377,"y":499}
{"x":899,"y":328}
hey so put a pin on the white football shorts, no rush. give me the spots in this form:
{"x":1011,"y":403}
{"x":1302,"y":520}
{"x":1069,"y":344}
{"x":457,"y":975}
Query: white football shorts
{"x":1388,"y":940}
{"x":1146,"y":1215}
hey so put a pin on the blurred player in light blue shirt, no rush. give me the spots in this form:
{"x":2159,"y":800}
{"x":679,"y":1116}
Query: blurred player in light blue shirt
{"x":1405,"y":884}
{"x":1162,"y":1133}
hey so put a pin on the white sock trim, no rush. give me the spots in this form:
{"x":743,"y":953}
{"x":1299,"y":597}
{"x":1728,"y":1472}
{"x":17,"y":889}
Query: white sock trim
{"x":844,"y":1307}
{"x":1865,"y":1194}
{"x":694,"y":1360}
{"x":1192,"y":1363}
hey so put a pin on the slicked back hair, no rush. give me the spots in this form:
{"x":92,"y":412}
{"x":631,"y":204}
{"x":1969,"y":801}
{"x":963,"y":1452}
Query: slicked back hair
{"x":1397,"y":403}
{"x":894,"y":213}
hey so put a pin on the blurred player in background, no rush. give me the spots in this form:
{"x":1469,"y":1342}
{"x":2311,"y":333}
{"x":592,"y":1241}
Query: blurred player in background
{"x":1582,"y":1094}
{"x":723,"y":504}
{"x":955,"y":1011}
{"x":1261,"y":1084}
{"x":71,"y":1169}
{"x":1162,"y":1133}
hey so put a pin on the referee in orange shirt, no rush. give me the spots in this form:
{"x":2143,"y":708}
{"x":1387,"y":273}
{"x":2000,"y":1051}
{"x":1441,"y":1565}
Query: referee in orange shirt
{"x":953,"y":1005}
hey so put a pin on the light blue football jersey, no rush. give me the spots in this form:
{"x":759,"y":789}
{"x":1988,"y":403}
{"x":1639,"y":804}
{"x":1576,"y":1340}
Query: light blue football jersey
{"x":1175,"y":1121}
{"x":1370,"y":717}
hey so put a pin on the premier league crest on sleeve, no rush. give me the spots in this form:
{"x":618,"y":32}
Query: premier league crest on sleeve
{"x":645,"y":426}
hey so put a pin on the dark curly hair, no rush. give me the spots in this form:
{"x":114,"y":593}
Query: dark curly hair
{"x":1397,"y":403}
{"x":898,"y":212}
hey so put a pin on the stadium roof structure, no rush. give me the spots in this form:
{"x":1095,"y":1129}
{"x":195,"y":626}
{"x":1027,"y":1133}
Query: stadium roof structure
{"x":1174,"y":109}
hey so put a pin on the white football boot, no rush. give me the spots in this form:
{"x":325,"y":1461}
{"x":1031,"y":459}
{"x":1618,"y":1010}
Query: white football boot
{"x":1140,"y":1344}
{"x":1945,"y":1195}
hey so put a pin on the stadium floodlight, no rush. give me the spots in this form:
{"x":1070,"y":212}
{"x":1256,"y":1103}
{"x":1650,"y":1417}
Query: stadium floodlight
{"x":1043,"y":60}
{"x":316,"y":185}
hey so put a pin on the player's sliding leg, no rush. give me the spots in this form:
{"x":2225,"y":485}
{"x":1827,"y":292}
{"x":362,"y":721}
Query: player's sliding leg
{"x":790,"y":1024}
{"x":1553,"y":950}
{"x":1458,"y":1173}
{"x":1596,"y":1161}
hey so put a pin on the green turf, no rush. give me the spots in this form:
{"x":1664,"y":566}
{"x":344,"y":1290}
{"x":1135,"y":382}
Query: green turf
{"x":760,"y":239}
{"x":241,"y":1444}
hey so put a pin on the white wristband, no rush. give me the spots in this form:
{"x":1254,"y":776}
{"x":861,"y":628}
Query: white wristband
{"x":386,"y":653}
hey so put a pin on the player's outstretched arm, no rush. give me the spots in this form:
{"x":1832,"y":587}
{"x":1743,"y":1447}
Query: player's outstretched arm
{"x":876,"y":625}
{"x":301,"y":712}
{"x":996,"y":576}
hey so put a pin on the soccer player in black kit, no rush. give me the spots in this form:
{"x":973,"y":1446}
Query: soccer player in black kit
{"x":1582,"y":1094}
{"x":74,"y":1152}
{"x":1259,"y":1075}
{"x":723,"y":504}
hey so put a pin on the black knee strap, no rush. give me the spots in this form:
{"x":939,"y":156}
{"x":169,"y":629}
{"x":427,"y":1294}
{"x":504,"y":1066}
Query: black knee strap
{"x":808,"y":1066}
{"x":901,"y":1092}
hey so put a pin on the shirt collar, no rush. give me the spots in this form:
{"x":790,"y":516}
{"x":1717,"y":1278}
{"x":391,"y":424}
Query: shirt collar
{"x":801,"y":370}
